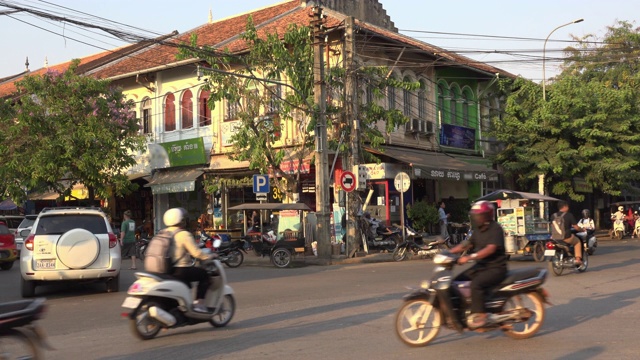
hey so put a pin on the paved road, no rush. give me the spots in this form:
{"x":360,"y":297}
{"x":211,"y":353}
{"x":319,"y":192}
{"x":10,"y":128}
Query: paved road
{"x":346,"y":312}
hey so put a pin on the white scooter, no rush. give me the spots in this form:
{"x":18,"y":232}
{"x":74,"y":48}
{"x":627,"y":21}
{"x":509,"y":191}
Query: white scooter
{"x":157,"y":301}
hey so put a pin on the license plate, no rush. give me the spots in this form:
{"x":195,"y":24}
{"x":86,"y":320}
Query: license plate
{"x":549,"y":252}
{"x":131,"y":302}
{"x":18,"y":246}
{"x":46,"y":264}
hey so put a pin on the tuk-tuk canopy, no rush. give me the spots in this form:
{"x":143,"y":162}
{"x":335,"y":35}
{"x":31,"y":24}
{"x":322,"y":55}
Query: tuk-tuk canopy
{"x":271,"y":206}
{"x":512,"y":194}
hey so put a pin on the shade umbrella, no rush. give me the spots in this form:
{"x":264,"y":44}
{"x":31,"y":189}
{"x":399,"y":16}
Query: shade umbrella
{"x":504,"y":194}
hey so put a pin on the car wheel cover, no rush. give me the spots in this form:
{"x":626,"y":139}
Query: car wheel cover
{"x":78,"y":248}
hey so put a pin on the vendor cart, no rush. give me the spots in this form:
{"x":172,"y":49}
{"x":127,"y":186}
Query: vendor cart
{"x":518,"y":214}
{"x":282,"y":239}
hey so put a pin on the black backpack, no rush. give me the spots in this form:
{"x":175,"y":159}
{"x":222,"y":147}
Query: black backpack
{"x":558,"y":230}
{"x":159,"y":254}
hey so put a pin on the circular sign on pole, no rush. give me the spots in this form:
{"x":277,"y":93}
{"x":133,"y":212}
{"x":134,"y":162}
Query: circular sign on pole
{"x":348,"y":181}
{"x":402,"y":182}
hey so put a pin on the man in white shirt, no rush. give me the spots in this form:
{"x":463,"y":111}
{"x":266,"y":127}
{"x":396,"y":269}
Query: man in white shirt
{"x":443,"y":220}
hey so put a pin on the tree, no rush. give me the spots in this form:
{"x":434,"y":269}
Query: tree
{"x":64,"y":126}
{"x":589,"y":126}
{"x":270,"y":87}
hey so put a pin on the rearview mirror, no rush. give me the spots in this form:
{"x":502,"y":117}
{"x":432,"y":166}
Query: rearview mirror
{"x":24,"y":233}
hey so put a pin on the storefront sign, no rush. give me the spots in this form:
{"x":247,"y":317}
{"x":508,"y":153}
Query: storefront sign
{"x":580,"y":185}
{"x":185,"y":152}
{"x":458,"y":137}
{"x":229,"y":128}
{"x":456,"y":175}
{"x":382,"y":170}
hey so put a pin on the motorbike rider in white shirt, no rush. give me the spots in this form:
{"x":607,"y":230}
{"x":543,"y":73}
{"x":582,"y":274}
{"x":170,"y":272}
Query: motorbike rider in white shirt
{"x":586,"y":224}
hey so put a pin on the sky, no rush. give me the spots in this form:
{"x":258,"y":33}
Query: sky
{"x":482,"y":30}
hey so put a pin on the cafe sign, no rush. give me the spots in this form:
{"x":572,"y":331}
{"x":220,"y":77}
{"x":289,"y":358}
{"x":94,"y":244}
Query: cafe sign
{"x":185,"y":152}
{"x":456,"y":175}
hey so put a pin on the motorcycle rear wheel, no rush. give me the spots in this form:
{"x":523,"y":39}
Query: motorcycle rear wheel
{"x":15,"y":344}
{"x":400,"y":253}
{"x":530,"y":326}
{"x":143,"y":325}
{"x":228,"y":308}
{"x":538,"y":251}
{"x":235,"y":259}
{"x":555,"y":264}
{"x":418,"y":322}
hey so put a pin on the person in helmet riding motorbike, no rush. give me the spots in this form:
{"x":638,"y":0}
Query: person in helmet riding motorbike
{"x":185,"y":248}
{"x":586,"y":223}
{"x":618,"y":216}
{"x":487,"y":242}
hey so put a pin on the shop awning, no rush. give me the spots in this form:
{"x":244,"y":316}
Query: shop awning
{"x":512,"y":194}
{"x":78,"y":191}
{"x":174,"y":180}
{"x":271,"y":206}
{"x":222,"y":162}
{"x":437,"y":165}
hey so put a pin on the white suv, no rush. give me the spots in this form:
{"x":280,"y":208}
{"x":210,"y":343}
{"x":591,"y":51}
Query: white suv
{"x":70,"y":244}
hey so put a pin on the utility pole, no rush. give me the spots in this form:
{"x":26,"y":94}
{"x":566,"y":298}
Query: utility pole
{"x":351,"y":107}
{"x":322,"y":162}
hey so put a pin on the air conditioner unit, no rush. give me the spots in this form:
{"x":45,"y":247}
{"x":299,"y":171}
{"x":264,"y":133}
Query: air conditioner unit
{"x":413,"y":126}
{"x":428,"y":127}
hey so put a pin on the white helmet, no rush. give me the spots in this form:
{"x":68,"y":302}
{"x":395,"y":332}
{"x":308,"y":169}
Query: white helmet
{"x":620,"y":208}
{"x":173,"y":217}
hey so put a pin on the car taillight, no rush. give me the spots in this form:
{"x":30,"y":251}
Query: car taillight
{"x":28,"y":243}
{"x":113,"y":240}
{"x":551,"y":245}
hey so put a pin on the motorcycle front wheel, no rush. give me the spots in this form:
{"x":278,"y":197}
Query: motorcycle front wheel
{"x":142,"y":250}
{"x":530,"y":306}
{"x":555,"y":264}
{"x":400,"y":253}
{"x":234,"y":259}
{"x":418,"y":322}
{"x":15,"y":344}
{"x":143,"y":325}
{"x":227,"y":309}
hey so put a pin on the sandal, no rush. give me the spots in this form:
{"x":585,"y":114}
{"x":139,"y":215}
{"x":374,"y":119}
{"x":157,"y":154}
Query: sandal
{"x":578,"y":261}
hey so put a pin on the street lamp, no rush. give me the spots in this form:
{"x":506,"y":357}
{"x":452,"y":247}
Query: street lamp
{"x":544,"y":48}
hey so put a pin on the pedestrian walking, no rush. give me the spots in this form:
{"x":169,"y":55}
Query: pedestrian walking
{"x":443,"y":220}
{"x":128,"y":238}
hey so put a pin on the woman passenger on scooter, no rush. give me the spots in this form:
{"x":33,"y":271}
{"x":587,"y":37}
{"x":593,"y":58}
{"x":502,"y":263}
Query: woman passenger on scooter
{"x":185,"y":249}
{"x":490,"y":269}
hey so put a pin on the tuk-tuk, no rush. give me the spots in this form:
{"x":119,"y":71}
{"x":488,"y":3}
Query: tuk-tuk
{"x":284,"y":238}
{"x":519,"y":215}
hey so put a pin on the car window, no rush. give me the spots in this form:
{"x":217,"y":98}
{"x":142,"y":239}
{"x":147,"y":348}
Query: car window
{"x":12,"y":223}
{"x":26,"y":223}
{"x":59,"y":224}
{"x":4,"y":229}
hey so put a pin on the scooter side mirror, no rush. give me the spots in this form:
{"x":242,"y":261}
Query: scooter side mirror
{"x":217,"y":243}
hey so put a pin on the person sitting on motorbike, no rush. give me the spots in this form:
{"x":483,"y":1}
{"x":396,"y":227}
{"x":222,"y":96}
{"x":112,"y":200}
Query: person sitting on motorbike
{"x":375,"y":224}
{"x":636,"y":226}
{"x":618,"y":216}
{"x":487,"y":241}
{"x":570,"y":223}
{"x":586,"y":224}
{"x":185,"y":248}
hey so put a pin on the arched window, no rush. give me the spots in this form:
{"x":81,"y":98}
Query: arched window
{"x":204,"y":113}
{"x":391,"y":97}
{"x":465,"y":110}
{"x":169,"y":112}
{"x":186,"y":110}
{"x":422,"y":100}
{"x":453,"y":104}
{"x":369,"y":97}
{"x":469,"y":108}
{"x":146,"y":116}
{"x":407,"y":99}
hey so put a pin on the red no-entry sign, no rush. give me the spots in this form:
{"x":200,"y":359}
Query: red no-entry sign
{"x":348,"y":181}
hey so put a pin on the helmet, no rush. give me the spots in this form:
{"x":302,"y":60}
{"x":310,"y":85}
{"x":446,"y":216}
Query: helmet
{"x":481,"y":213}
{"x":620,"y":208}
{"x":586,"y":213}
{"x":174,"y":217}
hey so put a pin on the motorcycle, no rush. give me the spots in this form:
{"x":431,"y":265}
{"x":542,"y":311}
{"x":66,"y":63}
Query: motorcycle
{"x":157,"y":302}
{"x":20,"y":337}
{"x":379,"y":237}
{"x":142,"y":241}
{"x":560,"y":255}
{"x":230,"y":252}
{"x":515,"y":306}
{"x":589,"y":241}
{"x":414,"y":245}
{"x":619,"y":229}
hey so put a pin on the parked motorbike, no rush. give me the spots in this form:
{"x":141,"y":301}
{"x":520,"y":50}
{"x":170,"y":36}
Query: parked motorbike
{"x":229,"y":252}
{"x":561,"y":256}
{"x":589,"y":241}
{"x":20,"y":337}
{"x":157,"y":302}
{"x":515,"y":306}
{"x":377,"y":236}
{"x":414,"y":245}
{"x":142,"y":241}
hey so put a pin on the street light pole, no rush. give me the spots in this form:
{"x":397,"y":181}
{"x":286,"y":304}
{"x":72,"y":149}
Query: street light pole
{"x":544,"y":48}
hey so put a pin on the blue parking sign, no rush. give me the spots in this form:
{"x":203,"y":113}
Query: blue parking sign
{"x":261,"y":184}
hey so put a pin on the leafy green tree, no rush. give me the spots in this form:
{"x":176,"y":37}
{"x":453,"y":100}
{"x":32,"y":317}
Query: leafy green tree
{"x":589,"y":125}
{"x":274,"y":59}
{"x":63,"y":126}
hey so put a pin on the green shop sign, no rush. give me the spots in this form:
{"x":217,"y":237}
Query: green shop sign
{"x":186,"y":152}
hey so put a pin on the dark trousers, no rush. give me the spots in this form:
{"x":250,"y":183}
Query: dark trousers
{"x":482,"y":279}
{"x":191,"y":274}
